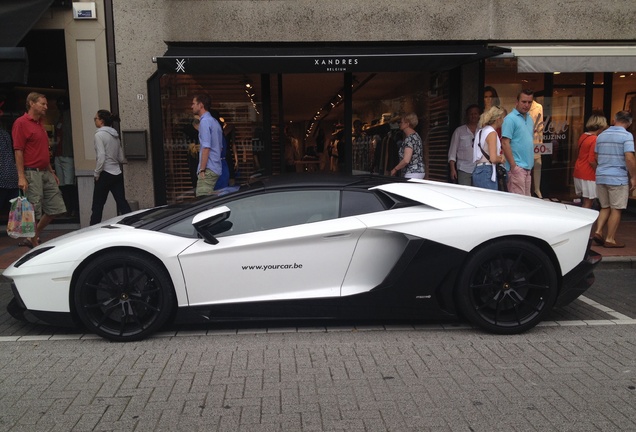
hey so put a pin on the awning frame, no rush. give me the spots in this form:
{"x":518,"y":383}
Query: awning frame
{"x":574,"y":58}
{"x":196,"y":58}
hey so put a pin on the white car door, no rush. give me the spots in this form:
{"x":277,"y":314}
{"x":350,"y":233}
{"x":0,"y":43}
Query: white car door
{"x":284,"y":245}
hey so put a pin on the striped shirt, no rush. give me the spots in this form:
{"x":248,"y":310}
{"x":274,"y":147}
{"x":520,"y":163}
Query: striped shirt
{"x":611,"y":146}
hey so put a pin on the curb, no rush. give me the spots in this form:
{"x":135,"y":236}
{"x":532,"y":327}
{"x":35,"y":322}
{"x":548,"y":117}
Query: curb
{"x":620,"y":262}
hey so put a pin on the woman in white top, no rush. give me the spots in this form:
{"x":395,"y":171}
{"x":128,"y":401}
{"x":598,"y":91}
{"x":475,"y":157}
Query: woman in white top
{"x":487,"y":143}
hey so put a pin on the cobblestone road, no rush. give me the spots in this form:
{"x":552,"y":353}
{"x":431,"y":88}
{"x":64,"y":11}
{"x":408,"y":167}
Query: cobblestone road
{"x":579,"y":378}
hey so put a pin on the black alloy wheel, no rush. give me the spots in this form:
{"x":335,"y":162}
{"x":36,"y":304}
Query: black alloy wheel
{"x":124,"y":296}
{"x":507,"y":287}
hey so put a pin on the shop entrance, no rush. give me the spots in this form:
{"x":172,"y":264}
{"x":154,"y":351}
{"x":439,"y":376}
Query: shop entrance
{"x":298,"y":123}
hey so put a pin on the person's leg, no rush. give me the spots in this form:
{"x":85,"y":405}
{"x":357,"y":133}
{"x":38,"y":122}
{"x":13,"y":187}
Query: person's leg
{"x":613,"y":221}
{"x":604,"y":212}
{"x":52,"y":204}
{"x":42,"y":223}
{"x":517,"y":180}
{"x":587,"y":203}
{"x":603,"y":216}
{"x":618,"y":197}
{"x":588,"y":191}
{"x":119,"y":193}
{"x":528,"y":183}
{"x":536,"y":173}
{"x":464,"y":178}
{"x":35,"y":195}
{"x":100,"y":194}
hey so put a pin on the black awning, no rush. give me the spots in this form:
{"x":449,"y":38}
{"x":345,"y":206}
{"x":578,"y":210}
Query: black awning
{"x":17,"y":18}
{"x":14,"y":65}
{"x":197,"y":58}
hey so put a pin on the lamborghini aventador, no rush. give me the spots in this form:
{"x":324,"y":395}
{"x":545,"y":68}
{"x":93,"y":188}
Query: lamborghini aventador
{"x":315,"y":247}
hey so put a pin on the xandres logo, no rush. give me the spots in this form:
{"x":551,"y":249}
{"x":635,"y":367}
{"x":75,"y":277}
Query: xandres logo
{"x":336,"y":62}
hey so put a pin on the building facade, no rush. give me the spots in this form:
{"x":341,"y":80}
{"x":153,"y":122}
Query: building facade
{"x":290,"y":79}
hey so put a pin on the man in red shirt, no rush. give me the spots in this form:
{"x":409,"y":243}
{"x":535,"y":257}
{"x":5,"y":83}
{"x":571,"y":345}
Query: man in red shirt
{"x":35,"y":174}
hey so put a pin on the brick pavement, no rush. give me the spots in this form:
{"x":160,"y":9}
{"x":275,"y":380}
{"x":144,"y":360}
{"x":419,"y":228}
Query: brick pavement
{"x":549,"y":379}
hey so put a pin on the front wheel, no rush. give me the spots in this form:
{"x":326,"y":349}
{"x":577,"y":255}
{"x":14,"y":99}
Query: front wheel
{"x":507,"y":287}
{"x":124,"y":296}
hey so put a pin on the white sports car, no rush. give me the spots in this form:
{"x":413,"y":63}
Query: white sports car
{"x":315,"y":247}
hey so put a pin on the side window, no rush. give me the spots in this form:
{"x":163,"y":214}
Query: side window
{"x":282,"y":209}
{"x":360,"y":202}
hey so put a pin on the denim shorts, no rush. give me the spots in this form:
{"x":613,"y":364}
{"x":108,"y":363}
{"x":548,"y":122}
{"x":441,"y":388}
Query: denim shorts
{"x":482,"y":177}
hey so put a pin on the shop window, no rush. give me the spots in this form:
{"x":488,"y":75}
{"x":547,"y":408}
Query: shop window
{"x":565,"y":110}
{"x":379,"y":100}
{"x":308,"y":111}
{"x":313,"y":110}
{"x":624,"y":92}
{"x":238,"y":101}
{"x":569,"y":79}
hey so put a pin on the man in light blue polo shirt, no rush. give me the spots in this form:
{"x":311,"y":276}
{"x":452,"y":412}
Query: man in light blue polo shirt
{"x":517,"y":143}
{"x":615,"y":176}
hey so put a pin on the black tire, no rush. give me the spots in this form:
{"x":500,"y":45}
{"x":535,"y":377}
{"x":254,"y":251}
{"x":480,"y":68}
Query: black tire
{"x":124,"y":296}
{"x":507,"y":287}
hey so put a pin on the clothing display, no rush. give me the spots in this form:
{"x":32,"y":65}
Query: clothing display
{"x":386,"y":153}
{"x":362,"y":153}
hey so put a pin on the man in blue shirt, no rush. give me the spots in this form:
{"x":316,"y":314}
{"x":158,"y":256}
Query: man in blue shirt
{"x":517,"y":143}
{"x":211,"y":139}
{"x":615,"y":157}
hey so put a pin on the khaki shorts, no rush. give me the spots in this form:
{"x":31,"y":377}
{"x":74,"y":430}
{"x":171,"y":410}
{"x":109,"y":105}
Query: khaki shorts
{"x":44,"y":193}
{"x":205,"y":185}
{"x":613,"y":196}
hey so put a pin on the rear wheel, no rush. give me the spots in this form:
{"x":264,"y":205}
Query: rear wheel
{"x":124,"y":296}
{"x":507,"y":287}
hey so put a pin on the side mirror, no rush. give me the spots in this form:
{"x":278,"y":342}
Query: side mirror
{"x":211,"y":222}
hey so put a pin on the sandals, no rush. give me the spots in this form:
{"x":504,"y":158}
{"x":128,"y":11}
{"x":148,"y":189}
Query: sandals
{"x":613,"y":245}
{"x":598,"y":239}
{"x":27,"y":242}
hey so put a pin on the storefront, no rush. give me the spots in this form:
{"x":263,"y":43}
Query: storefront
{"x":312,"y":96}
{"x":570,"y":82}
{"x":306,"y":96}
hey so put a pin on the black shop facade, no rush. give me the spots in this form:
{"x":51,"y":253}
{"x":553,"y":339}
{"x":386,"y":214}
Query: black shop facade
{"x":310,"y":95}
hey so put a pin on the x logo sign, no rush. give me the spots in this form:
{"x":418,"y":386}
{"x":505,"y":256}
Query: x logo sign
{"x":181,"y":65}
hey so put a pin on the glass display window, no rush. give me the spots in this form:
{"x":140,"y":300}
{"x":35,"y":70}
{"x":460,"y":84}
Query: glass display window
{"x":238,"y":102}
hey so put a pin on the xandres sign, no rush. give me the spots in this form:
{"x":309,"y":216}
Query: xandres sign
{"x":336,"y":64}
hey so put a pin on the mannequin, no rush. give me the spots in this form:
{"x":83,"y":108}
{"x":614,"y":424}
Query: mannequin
{"x":536,"y":112}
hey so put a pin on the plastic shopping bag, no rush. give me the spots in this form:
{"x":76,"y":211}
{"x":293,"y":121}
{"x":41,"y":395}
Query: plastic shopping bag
{"x":21,"y":221}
